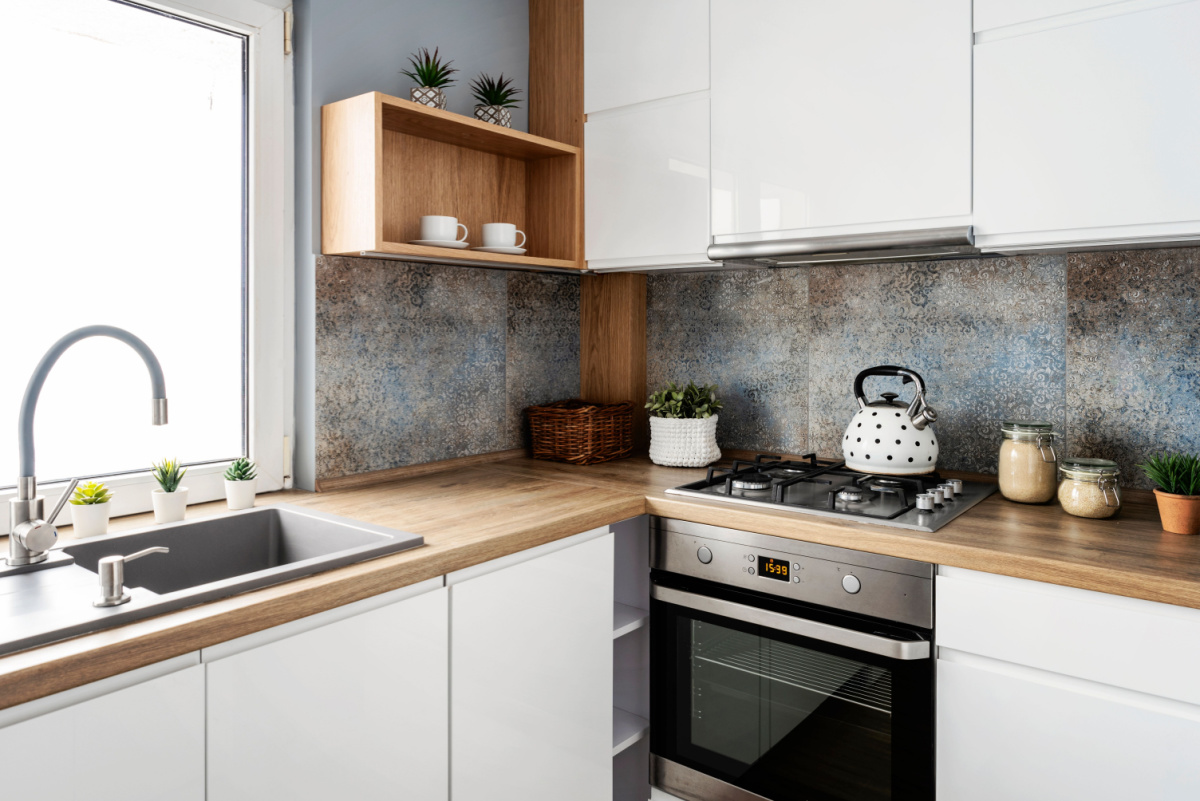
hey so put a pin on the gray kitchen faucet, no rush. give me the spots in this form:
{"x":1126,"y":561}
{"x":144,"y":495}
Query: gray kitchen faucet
{"x":32,"y":536}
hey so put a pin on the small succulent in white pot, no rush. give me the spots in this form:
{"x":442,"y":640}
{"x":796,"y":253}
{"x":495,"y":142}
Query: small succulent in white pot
{"x":683,"y":425}
{"x":241,"y":481}
{"x":170,"y":499}
{"x":494,"y":96}
{"x":90,"y":510}
{"x":431,"y":76}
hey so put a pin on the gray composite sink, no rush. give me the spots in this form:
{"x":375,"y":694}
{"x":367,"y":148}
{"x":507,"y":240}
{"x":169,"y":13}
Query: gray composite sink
{"x":209,"y":559}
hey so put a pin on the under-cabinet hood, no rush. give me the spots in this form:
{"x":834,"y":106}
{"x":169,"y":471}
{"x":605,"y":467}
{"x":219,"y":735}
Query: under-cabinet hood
{"x":929,"y":243}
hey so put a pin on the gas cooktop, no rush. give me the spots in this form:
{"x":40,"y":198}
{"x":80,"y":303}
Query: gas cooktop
{"x":823,"y":487}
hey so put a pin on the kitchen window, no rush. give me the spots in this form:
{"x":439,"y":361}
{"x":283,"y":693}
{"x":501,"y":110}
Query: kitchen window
{"x":147,"y":186}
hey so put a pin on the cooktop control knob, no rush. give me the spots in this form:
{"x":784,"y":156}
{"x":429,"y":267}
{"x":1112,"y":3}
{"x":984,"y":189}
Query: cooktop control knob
{"x":851,"y":584}
{"x":704,"y":555}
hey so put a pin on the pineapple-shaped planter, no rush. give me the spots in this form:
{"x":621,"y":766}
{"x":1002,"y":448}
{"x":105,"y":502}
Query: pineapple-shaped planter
{"x":430,"y":75}
{"x":494,"y":96}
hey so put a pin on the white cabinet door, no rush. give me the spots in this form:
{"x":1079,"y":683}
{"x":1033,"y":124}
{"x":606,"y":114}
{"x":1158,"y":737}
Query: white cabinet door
{"x":647,"y":184}
{"x":1086,"y":130}
{"x":1004,"y":735}
{"x":531,"y":678}
{"x":853,"y":116}
{"x":353,"y":709}
{"x":634,"y":51}
{"x":141,"y":743}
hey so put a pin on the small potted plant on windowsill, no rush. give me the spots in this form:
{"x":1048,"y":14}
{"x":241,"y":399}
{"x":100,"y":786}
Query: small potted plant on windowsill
{"x":496,"y":96}
{"x":683,"y":426}
{"x":241,"y":480}
{"x":1178,"y":493}
{"x":431,"y":76}
{"x":90,"y":510}
{"x":170,"y":499}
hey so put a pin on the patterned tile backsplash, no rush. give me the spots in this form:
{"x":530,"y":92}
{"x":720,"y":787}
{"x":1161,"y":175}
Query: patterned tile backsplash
{"x":419,"y":362}
{"x":1104,"y":345}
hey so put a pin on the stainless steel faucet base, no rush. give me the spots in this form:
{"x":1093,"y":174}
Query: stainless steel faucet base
{"x":104,"y":602}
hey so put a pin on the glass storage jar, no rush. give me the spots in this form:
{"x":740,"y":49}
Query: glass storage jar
{"x":1089,"y":487}
{"x":1028,"y":463}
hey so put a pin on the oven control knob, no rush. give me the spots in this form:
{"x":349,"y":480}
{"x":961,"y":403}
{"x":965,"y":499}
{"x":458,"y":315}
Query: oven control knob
{"x":704,"y":555}
{"x":851,"y":584}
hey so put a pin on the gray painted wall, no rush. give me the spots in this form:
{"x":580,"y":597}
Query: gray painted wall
{"x":345,"y":48}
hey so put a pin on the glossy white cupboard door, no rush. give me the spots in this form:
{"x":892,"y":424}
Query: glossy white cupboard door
{"x":1005,"y":734}
{"x":356,"y":709}
{"x":142,"y":743}
{"x":839,"y":117}
{"x":531,"y":679}
{"x":1087,"y":130}
{"x":634,"y":51}
{"x":646,"y":184}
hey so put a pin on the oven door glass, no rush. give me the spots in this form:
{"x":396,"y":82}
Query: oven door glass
{"x":788,"y":717}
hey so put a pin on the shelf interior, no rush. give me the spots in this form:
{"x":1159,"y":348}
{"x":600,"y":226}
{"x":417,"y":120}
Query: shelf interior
{"x":627,"y":618}
{"x":404,"y":116}
{"x":628,"y":728}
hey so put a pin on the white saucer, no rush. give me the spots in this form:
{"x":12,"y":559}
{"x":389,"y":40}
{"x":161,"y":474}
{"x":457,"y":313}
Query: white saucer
{"x":440,"y":243}
{"x":506,"y":251}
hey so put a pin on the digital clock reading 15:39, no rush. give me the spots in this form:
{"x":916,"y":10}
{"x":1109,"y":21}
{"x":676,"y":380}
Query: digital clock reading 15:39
{"x":772,"y":568}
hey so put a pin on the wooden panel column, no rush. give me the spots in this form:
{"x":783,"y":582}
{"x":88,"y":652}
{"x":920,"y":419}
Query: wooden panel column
{"x":612,"y":343}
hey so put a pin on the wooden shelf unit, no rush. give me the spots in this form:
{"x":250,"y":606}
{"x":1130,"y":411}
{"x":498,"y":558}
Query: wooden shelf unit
{"x":386,"y":162}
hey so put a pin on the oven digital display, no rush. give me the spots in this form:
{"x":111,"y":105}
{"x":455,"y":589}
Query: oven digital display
{"x":772,"y":568}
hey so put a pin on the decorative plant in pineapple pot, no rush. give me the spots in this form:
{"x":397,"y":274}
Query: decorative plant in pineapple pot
{"x":431,"y":75}
{"x":683,"y":426}
{"x":1178,"y":494}
{"x":170,"y":499}
{"x":90,"y":509}
{"x":496,"y":96}
{"x":241,"y":480}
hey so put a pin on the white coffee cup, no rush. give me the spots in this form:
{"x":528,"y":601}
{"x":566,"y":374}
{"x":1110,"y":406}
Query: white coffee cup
{"x":502,"y":235}
{"x":435,"y":227}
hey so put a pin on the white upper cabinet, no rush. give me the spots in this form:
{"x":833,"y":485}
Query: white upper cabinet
{"x":647,"y":184}
{"x":1086,"y":123}
{"x":636,"y":51}
{"x":839,"y":117}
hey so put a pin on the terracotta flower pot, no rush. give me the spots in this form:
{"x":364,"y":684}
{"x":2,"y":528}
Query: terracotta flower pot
{"x":1180,"y":513}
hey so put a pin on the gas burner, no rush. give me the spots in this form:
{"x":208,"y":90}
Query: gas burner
{"x":885,"y":484}
{"x":852,"y":495}
{"x":752,"y":481}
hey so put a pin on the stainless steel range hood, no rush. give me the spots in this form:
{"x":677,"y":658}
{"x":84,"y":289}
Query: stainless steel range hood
{"x":929,"y":243}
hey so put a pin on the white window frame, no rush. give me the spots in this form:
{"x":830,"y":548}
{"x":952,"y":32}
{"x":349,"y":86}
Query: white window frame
{"x":270,"y":252}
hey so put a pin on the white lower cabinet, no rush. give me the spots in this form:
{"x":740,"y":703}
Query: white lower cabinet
{"x":531,"y":674}
{"x":1047,"y":693}
{"x":134,"y":737}
{"x":348,"y":704}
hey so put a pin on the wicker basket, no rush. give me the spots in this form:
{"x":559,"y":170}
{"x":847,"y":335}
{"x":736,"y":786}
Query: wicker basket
{"x":579,"y":432}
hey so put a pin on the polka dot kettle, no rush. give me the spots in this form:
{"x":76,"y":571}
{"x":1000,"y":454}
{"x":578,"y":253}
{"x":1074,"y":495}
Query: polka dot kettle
{"x":888,"y":436}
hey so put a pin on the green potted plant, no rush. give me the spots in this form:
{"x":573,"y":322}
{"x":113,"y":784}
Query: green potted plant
{"x":90,"y":509}
{"x":1177,"y":476}
{"x":431,"y":75}
{"x":683,"y":425}
{"x":496,"y":96}
{"x":241,"y":481}
{"x":170,"y":499}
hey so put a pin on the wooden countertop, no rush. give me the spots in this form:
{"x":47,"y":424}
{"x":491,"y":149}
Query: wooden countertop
{"x":475,"y":514}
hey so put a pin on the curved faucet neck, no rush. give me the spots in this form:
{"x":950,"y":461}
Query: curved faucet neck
{"x":158,"y":386}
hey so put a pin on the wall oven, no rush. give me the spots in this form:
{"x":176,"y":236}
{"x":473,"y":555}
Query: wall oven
{"x":785,"y":670}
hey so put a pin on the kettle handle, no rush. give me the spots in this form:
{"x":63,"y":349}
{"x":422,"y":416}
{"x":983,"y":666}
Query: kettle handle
{"x":909,"y":376}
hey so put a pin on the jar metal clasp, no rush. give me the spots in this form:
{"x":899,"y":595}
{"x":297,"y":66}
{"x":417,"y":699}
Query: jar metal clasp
{"x":1110,"y":499}
{"x":1045,"y":442}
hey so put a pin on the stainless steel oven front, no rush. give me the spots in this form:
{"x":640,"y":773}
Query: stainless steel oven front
{"x":785,"y":670}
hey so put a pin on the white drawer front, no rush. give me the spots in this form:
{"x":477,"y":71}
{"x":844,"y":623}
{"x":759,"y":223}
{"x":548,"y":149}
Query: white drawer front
{"x":1138,"y":645}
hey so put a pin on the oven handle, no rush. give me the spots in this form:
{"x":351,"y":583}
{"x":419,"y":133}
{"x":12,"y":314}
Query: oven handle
{"x":859,"y":641}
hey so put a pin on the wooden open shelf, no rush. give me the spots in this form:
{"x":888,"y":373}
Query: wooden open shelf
{"x":386,"y":162}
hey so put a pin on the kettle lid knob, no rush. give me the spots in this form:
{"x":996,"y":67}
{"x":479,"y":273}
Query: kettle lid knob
{"x":888,"y":397}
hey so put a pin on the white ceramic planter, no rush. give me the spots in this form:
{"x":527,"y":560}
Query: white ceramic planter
{"x":169,"y":507}
{"x":90,"y":520}
{"x":240,"y":494}
{"x":684,"y":443}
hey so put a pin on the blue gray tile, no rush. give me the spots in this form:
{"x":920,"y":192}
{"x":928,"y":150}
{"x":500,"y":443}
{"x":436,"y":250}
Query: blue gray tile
{"x":542,"y":346}
{"x":745,"y":331}
{"x":1133,"y":355}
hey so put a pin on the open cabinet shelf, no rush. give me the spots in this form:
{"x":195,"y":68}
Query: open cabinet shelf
{"x":628,"y":728}
{"x":386,"y":162}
